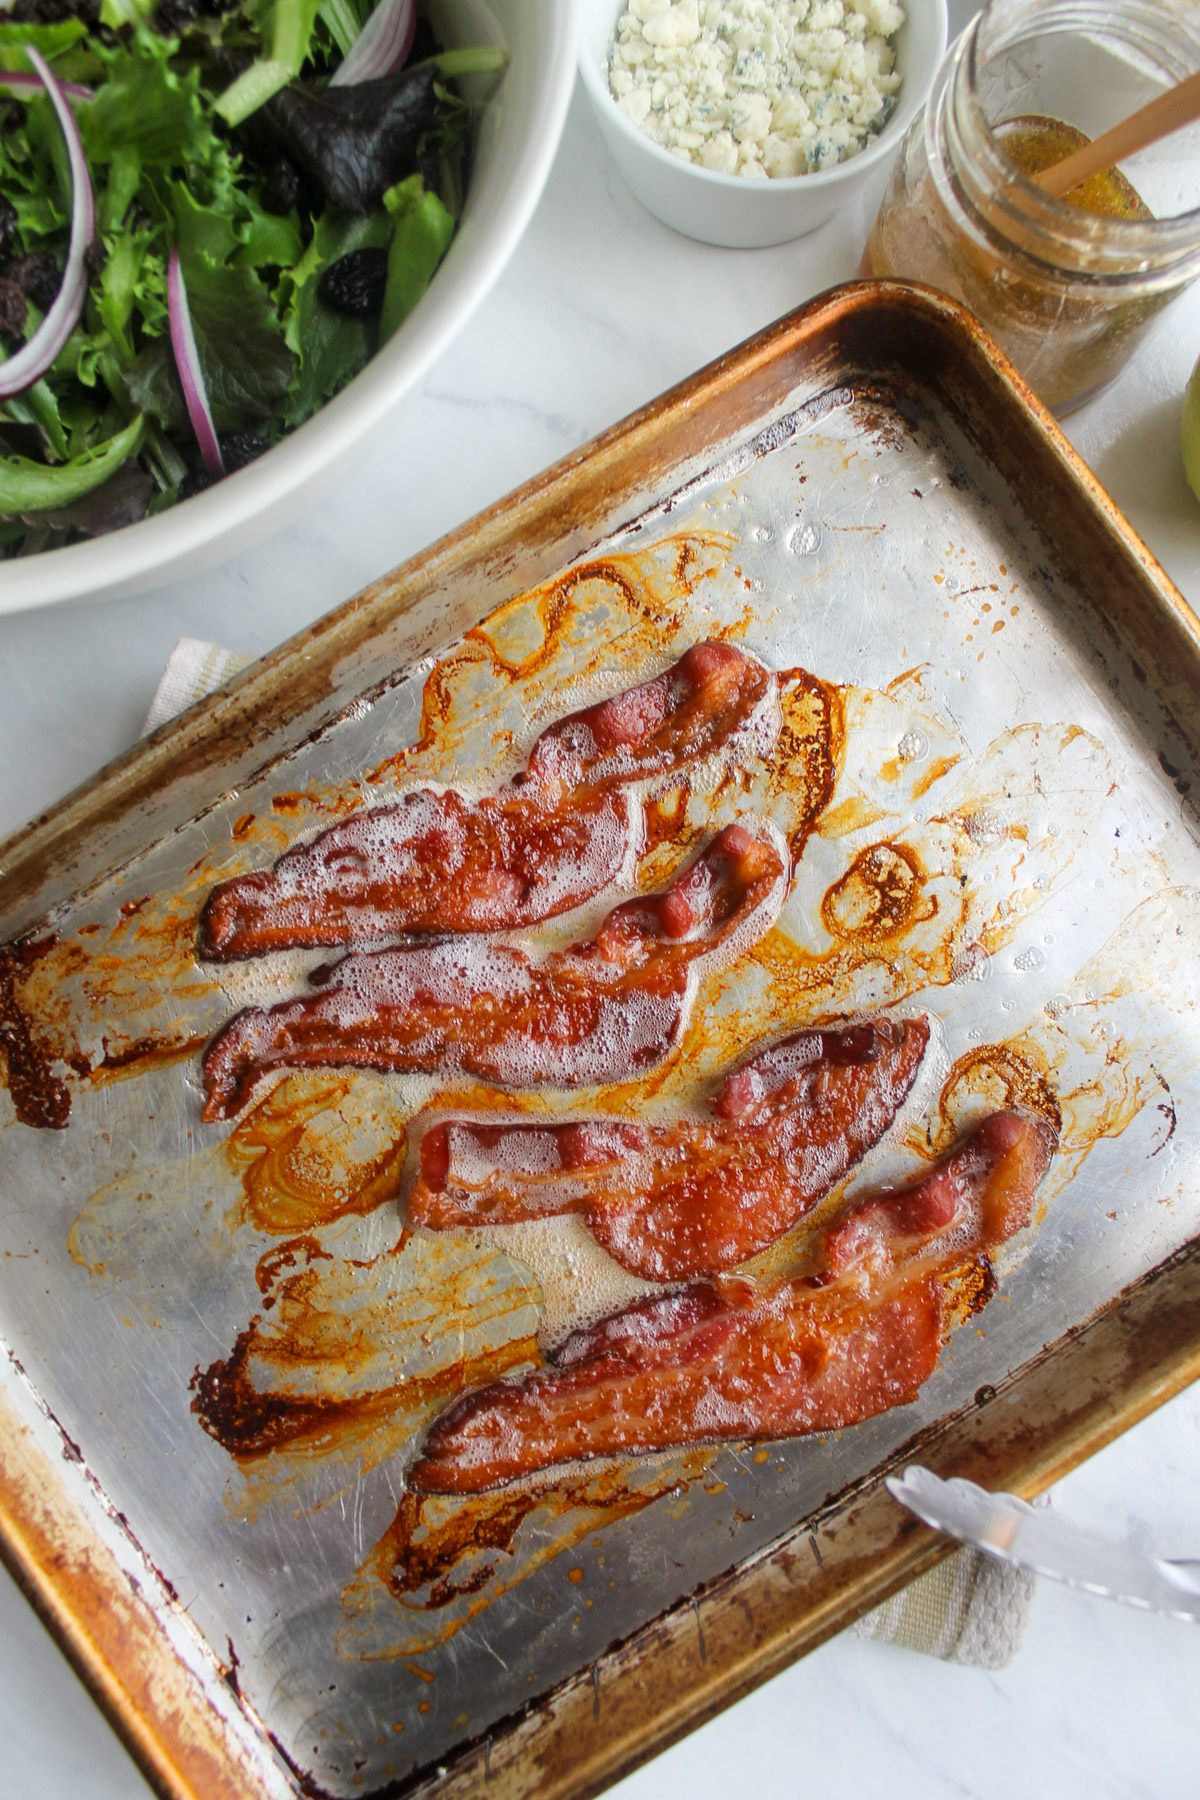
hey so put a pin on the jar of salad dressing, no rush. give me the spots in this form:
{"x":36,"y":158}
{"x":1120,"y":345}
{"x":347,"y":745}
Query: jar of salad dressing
{"x":1066,"y":287}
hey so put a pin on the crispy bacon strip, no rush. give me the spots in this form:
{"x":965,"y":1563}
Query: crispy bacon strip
{"x":440,"y":862}
{"x":732,"y":1358}
{"x":435,"y":862}
{"x":714,"y":692}
{"x":689,"y":1198}
{"x":594,"y":1012}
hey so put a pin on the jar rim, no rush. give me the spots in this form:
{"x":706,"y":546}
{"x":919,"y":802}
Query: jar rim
{"x":1063,"y":227}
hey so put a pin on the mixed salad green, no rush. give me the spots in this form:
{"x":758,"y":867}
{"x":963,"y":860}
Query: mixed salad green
{"x":211,"y":213}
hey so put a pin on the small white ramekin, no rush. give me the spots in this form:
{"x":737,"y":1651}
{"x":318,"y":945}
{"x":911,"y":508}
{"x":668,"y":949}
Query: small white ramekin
{"x":736,"y":211}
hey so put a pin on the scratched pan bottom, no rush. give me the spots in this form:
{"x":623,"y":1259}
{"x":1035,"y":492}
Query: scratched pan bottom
{"x":1003,"y":702}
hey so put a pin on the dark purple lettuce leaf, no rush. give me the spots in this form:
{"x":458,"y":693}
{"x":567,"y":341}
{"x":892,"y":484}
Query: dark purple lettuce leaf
{"x":355,"y":141}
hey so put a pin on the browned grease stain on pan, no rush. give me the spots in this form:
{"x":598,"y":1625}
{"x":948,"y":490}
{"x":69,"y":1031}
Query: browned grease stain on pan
{"x":547,"y":637}
{"x":445,"y":1558}
{"x":803,"y":767}
{"x":879,"y":897}
{"x":1015,"y":1076}
{"x":38,"y":1096}
{"x":895,"y":927}
{"x":253,"y":1423}
{"x":317,"y":1149}
{"x":110,"y":1001}
{"x":665,"y":820}
{"x":348,"y":1358}
{"x":649,"y":586}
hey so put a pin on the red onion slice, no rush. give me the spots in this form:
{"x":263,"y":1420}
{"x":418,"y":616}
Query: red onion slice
{"x":34,"y":358}
{"x":187,"y":361}
{"x":25,"y":78}
{"x":382,"y":44}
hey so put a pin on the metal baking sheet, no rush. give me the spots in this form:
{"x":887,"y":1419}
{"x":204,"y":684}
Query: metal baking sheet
{"x":1002,"y":744}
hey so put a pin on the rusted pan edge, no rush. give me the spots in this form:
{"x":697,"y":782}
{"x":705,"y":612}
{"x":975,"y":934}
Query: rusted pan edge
{"x":120,"y":1648}
{"x":648,"y":1692}
{"x":875,"y":328}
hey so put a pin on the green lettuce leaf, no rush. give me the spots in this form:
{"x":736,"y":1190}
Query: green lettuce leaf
{"x":246,"y":363}
{"x":205,"y":233}
{"x":329,"y":348}
{"x":421,"y":238}
{"x":32,"y":487}
{"x":51,"y":40}
{"x":38,"y":405}
{"x":269,"y":240}
{"x":144,"y":106}
{"x":121,"y":285}
{"x":124,"y":179}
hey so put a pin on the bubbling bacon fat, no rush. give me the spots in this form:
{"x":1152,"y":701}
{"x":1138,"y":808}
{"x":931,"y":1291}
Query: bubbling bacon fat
{"x":690,"y":1198}
{"x":736,"y":1359}
{"x":438,"y":861}
{"x":594,"y":1012}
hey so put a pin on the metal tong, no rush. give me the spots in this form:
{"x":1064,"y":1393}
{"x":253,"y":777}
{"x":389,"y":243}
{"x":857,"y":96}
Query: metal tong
{"x":1013,"y":1532}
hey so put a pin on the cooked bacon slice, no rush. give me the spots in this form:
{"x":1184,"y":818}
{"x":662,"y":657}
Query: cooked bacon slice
{"x":689,"y":1198}
{"x":440,"y":862}
{"x":435,"y":862}
{"x":733,"y":1358}
{"x":712,"y":694}
{"x":594,"y":1012}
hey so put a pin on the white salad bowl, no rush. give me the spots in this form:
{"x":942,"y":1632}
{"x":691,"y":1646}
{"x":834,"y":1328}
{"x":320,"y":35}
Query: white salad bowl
{"x":736,"y":211}
{"x":518,"y":137}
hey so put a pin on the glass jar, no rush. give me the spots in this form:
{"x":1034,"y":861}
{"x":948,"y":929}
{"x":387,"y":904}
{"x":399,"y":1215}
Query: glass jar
{"x":1067,"y":291}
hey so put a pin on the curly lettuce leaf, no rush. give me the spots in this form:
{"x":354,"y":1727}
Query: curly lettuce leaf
{"x":144,"y":106}
{"x":126,"y":280}
{"x":51,"y":40}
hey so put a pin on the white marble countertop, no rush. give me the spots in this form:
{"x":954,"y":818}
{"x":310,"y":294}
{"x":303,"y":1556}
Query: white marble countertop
{"x":602,"y":308}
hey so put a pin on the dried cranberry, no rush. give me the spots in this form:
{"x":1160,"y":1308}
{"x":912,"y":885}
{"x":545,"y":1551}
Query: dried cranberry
{"x":280,"y":187}
{"x":240,"y":448}
{"x":216,"y":9}
{"x":8,"y":225}
{"x":54,"y":12}
{"x":355,"y":284}
{"x":13,"y":312}
{"x":38,"y":276}
{"x":172,"y":17}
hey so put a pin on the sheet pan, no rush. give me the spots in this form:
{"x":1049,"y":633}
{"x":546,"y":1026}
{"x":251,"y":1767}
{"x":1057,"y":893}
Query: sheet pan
{"x":991,"y":692}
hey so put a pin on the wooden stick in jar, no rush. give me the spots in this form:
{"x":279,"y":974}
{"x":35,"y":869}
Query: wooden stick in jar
{"x":1178,"y":107}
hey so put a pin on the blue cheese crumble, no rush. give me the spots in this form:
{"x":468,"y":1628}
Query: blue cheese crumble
{"x":757,"y":87}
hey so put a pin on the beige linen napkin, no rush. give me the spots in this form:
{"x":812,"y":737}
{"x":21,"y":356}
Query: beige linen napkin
{"x":970,"y":1608}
